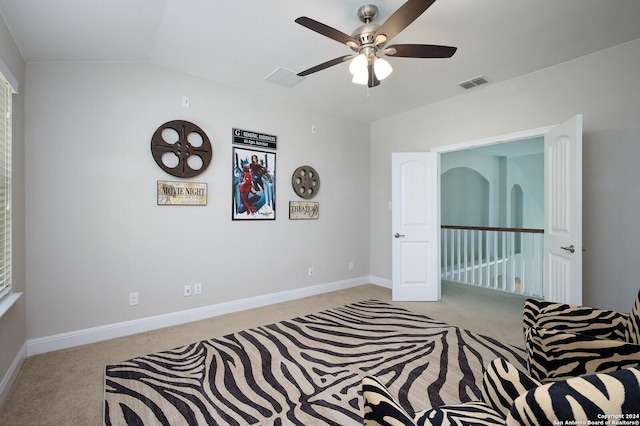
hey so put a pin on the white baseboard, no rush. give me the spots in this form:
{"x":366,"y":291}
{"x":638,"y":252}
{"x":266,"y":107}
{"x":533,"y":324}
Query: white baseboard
{"x":382,"y":282}
{"x":111,"y":331}
{"x":12,"y":373}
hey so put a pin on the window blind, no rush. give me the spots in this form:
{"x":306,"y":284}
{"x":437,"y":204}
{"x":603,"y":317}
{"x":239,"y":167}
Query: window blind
{"x":5,"y":186}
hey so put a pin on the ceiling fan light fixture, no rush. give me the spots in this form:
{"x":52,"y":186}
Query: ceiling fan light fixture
{"x":361,"y":78}
{"x":359,"y":68}
{"x":382,"y":68}
{"x":358,"y":65}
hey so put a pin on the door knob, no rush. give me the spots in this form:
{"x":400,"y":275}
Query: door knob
{"x":398,"y":235}
{"x":570,"y":249}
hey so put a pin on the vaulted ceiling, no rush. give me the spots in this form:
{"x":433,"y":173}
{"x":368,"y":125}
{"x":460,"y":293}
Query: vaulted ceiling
{"x":241,"y":42}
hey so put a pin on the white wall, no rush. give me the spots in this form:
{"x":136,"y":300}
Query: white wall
{"x":603,"y":87}
{"x":95,"y":233}
{"x":532,"y":184}
{"x":489,"y":167}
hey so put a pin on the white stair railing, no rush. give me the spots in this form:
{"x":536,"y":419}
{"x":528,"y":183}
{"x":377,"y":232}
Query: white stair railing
{"x":507,"y":259}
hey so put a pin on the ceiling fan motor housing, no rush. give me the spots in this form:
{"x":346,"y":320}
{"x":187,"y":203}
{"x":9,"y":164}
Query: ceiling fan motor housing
{"x":365,"y":33}
{"x":367,"y":13}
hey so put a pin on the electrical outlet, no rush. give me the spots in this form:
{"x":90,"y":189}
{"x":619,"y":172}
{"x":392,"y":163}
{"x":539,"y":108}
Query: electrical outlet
{"x":133,"y":299}
{"x":311,"y":271}
{"x":187,"y":290}
{"x":351,"y":265}
{"x":197,"y":288}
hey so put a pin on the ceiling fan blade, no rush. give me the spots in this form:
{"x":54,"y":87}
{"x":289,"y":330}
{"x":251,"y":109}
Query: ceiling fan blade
{"x":373,"y":80}
{"x":419,"y":51}
{"x":327,"y":31}
{"x":325,"y":65}
{"x":405,"y":15}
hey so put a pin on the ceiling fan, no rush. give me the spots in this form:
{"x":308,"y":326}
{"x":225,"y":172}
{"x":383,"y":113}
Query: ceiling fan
{"x":370,"y":39}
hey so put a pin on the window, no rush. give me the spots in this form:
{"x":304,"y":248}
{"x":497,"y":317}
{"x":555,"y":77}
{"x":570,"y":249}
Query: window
{"x":6,"y":91}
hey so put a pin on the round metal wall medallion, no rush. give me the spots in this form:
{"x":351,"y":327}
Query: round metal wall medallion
{"x":181,"y":148}
{"x":306,"y":182}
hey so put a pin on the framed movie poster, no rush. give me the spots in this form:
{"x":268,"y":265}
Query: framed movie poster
{"x":254,"y":184}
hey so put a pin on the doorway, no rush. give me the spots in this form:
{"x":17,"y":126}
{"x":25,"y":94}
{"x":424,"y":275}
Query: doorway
{"x":562,"y":277}
{"x":492,"y":216}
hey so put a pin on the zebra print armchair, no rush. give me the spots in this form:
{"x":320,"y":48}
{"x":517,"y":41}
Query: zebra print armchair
{"x":565,"y":341}
{"x":511,"y":397}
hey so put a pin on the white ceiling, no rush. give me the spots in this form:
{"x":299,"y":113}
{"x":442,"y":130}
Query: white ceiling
{"x":241,"y":42}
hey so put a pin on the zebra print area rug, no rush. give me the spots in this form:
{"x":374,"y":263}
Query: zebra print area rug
{"x":304,"y":371}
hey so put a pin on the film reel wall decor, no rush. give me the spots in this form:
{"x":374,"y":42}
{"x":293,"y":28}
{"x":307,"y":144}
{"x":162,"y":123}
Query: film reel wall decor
{"x":181,"y":149}
{"x":306,"y":182}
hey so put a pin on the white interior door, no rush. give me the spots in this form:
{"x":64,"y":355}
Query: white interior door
{"x":415,"y":226}
{"x":563,"y":213}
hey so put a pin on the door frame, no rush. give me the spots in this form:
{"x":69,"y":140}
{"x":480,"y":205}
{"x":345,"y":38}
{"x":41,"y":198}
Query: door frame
{"x":493,"y":140}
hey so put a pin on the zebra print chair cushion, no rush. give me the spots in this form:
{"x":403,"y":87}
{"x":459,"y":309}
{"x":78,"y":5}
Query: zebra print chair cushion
{"x":555,"y":355}
{"x":632,"y":334}
{"x":576,"y":319}
{"x":502,"y":383}
{"x":380,"y":408}
{"x":564,"y":341}
{"x":604,"y":398}
{"x":579,"y":400}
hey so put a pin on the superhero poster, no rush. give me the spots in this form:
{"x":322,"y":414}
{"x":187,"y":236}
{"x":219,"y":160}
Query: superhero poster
{"x":254,"y":184}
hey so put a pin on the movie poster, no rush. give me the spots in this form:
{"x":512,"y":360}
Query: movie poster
{"x":254,"y":184}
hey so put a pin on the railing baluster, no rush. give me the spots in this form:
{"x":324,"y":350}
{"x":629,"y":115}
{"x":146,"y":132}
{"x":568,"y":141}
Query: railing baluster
{"x":480,"y":258}
{"x":443,"y":259}
{"x":458,"y":234}
{"x":494,"y":257}
{"x":488,"y":260}
{"x":464,"y":238}
{"x":454,"y":254}
{"x":503,"y":259}
{"x":450,"y":257}
{"x":525,"y":261}
{"x":538,"y":290}
{"x":512,"y":263}
{"x":498,"y":257}
{"x":473,"y":256}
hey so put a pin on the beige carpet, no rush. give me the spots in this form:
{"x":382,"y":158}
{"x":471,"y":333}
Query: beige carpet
{"x":66,"y":387}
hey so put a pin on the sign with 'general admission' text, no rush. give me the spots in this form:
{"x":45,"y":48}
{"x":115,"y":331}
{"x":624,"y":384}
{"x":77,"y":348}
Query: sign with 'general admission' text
{"x":255,"y":139}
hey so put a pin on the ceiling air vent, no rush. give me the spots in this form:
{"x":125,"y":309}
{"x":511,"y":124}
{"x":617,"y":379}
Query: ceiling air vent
{"x":284,"y":77}
{"x":473,"y":82}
